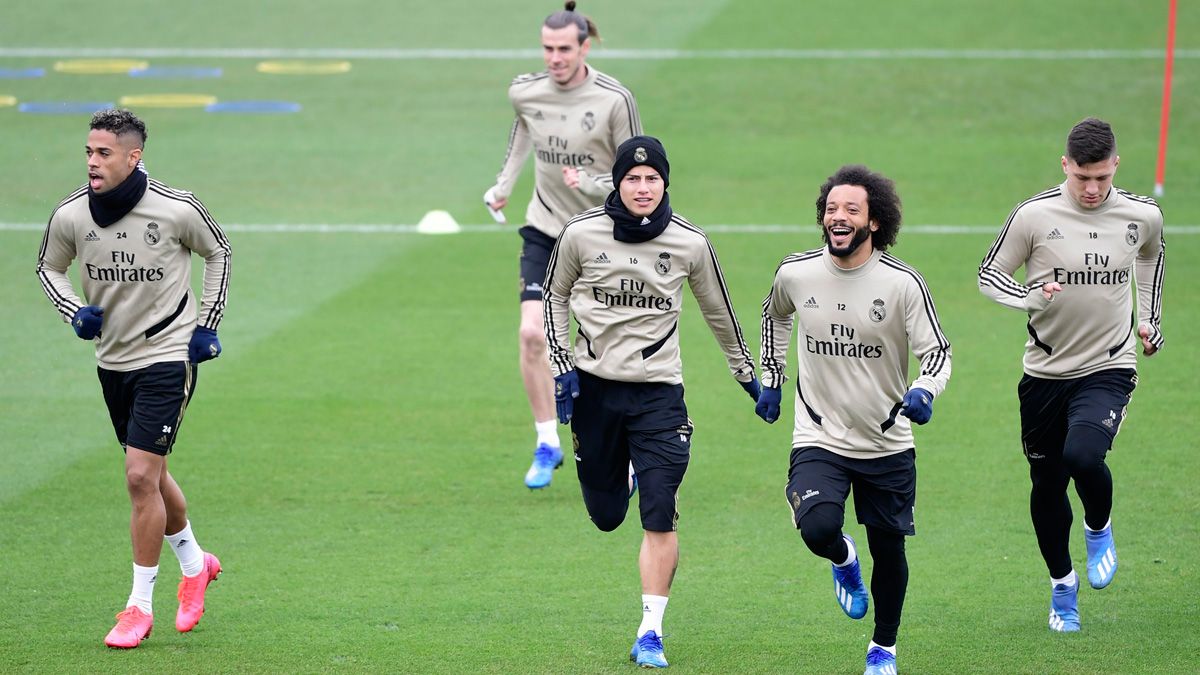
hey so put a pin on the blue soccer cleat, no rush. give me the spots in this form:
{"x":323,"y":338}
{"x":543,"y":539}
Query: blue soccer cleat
{"x":546,"y":459}
{"x":648,"y":651}
{"x":849,"y":588}
{"x":1102,"y":556}
{"x":880,"y":662}
{"x":1064,"y":608}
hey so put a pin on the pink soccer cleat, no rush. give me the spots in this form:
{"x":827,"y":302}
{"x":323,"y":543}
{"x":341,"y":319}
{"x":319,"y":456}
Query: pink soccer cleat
{"x":133,"y":626}
{"x":191,"y":594}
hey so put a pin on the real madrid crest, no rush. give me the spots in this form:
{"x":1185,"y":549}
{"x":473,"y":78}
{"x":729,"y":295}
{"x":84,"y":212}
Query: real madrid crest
{"x":877,"y":312}
{"x":663,"y":264}
{"x":589,"y":121}
{"x":1131,"y":234}
{"x":151,"y":235}
{"x":639,"y":155}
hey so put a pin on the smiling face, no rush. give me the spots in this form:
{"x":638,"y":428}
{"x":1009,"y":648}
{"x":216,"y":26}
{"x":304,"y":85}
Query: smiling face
{"x":110,"y":159}
{"x":642,"y":190}
{"x":564,"y":54}
{"x":847,"y":225}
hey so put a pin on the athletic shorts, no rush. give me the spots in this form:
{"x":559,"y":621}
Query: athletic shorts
{"x":885,"y":488}
{"x":535,"y":258}
{"x":146,"y":406}
{"x":1050,"y":407}
{"x":646,"y":423}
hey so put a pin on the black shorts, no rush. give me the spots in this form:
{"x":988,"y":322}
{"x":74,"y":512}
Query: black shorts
{"x":645,"y":423}
{"x":885,"y":489}
{"x":1050,"y":407}
{"x":146,"y":406}
{"x":535,"y":258}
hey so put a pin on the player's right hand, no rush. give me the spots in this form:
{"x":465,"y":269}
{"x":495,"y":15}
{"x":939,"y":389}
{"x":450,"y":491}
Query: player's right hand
{"x":495,"y":205}
{"x":566,"y":390}
{"x":768,"y":404}
{"x":87,"y":321}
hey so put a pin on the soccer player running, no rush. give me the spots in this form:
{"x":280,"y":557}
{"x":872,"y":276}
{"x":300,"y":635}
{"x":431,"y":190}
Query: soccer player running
{"x":134,"y":238}
{"x":1082,"y":243}
{"x":859,"y":312}
{"x":620,"y":269}
{"x":573,"y":117}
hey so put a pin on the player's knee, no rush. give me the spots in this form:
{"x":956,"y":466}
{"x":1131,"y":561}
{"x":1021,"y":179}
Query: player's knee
{"x":1085,"y":450}
{"x":606,"y":509}
{"x":140,"y":480}
{"x":821,"y":527}
{"x":885,"y":544}
{"x":532,"y":339}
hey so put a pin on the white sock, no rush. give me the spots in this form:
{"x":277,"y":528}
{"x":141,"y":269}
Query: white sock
{"x":142,"y":595}
{"x":853,"y":554}
{"x":1068,"y":580}
{"x":547,"y":432}
{"x":1106,"y":526}
{"x":653,"y":608}
{"x":191,"y":556}
{"x":891,"y":650}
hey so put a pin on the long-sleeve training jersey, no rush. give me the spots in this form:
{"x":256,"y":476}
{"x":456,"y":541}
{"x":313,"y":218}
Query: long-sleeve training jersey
{"x":579,"y":127}
{"x":1094,"y":254}
{"x":855,"y":329}
{"x":626,"y":298}
{"x":138,"y":270}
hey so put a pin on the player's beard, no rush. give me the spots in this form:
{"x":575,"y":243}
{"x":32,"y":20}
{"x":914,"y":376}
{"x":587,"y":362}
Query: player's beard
{"x":861,"y":234}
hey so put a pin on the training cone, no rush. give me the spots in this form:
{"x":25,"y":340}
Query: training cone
{"x":438,"y":222}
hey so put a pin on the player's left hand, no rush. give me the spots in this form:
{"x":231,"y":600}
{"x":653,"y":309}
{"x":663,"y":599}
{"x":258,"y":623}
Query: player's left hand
{"x":768,"y":404}
{"x":1147,"y":334}
{"x":571,"y":177}
{"x":566,"y":390}
{"x":204,"y":345}
{"x":918,"y":405}
{"x":752,"y":387}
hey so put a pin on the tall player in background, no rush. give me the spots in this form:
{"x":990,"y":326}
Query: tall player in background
{"x":134,"y":238}
{"x":858,"y":313}
{"x":573,"y":117}
{"x":1081,"y":243}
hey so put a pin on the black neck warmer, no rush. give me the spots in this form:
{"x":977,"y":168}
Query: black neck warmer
{"x":109,"y":207}
{"x":635,"y":229}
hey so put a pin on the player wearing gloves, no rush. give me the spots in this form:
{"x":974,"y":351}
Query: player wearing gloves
{"x":572,"y":117}
{"x":134,"y":238}
{"x":620,"y":270}
{"x":1083,"y":245}
{"x":857,"y":312}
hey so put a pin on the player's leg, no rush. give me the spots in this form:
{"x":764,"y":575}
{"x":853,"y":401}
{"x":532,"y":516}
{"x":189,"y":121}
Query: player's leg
{"x":885,"y":492}
{"x":1096,"y":412}
{"x":135,"y":621}
{"x":534,"y":363}
{"x":817,"y":488}
{"x":601,"y":451}
{"x":660,"y":442}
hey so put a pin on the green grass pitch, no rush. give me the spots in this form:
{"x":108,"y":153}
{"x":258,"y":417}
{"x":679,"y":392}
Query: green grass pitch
{"x":355,"y":456}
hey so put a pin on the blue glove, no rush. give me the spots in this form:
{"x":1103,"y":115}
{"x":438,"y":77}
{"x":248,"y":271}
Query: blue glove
{"x":87,"y":321}
{"x":566,"y":390}
{"x":768,"y":404}
{"x":204,"y":345}
{"x":918,"y":405}
{"x":752,"y":387}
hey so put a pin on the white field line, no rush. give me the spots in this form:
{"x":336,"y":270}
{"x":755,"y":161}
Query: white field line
{"x":393,"y":228}
{"x":632,"y":54}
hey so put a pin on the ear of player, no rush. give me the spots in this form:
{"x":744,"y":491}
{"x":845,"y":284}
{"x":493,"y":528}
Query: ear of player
{"x":918,"y":405}
{"x":566,"y":390}
{"x":87,"y":321}
{"x":203,"y":345}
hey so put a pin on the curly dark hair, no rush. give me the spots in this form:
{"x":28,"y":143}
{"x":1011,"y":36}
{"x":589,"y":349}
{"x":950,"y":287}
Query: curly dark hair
{"x":1091,"y":141}
{"x":120,"y":123}
{"x":883,"y":204}
{"x":567,"y":16}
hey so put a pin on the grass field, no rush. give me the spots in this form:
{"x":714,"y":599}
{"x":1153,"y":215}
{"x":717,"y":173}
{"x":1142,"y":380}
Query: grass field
{"x":355,"y":456}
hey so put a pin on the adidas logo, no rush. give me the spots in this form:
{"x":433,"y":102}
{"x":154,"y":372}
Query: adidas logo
{"x":163,"y":440}
{"x":602,"y":258}
{"x":811,"y":303}
{"x":181,"y":543}
{"x":1055,"y":234}
{"x":538,"y":115}
{"x":92,"y":236}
